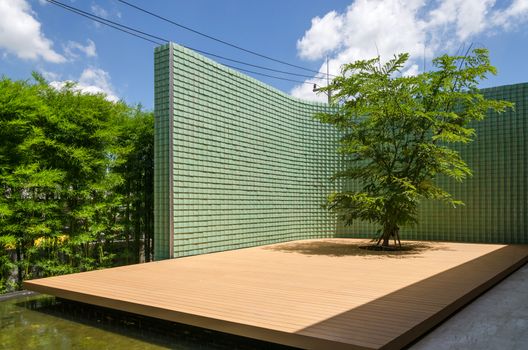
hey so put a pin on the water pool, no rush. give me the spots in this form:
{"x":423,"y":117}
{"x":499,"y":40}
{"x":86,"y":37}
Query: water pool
{"x":31,"y":322}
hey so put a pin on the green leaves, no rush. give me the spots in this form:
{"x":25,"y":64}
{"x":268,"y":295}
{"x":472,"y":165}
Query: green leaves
{"x":64,"y":158}
{"x":396,"y":131}
{"x":356,"y":205}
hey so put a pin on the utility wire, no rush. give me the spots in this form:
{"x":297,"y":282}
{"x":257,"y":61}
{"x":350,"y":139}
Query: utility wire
{"x":109,"y":23}
{"x":270,"y":76}
{"x":248,"y":64}
{"x":130,"y":30}
{"x":219,"y":40}
{"x":133,"y":31}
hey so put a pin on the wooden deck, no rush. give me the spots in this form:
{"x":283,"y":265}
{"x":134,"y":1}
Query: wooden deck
{"x":316,"y":294}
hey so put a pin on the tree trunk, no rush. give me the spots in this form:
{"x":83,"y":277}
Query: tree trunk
{"x":146,"y":218}
{"x":127,"y":222}
{"x":137,"y":230}
{"x":20,"y":269}
{"x":148,"y":192}
{"x":389,"y":230}
{"x":386,"y":238}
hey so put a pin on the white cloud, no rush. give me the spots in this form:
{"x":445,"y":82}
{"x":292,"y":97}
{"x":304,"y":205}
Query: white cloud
{"x":464,"y":17}
{"x":20,"y":33}
{"x":513,"y":15}
{"x":423,"y":28}
{"x":411,"y":70}
{"x":99,"y":11}
{"x":305,"y":91}
{"x":49,"y":76}
{"x":322,"y":37}
{"x":388,"y":25}
{"x":91,"y":81}
{"x":73,"y":48}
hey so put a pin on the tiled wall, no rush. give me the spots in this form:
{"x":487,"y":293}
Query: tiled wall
{"x":495,"y":197}
{"x":250,"y":165}
{"x":240,"y":164}
{"x":162,"y":152}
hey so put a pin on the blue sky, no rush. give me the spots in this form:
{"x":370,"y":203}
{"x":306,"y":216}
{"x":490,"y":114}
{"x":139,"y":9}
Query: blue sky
{"x":38,"y":36}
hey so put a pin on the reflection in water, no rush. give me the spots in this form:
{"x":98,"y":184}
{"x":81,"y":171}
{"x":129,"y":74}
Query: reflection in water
{"x":43,"y":322}
{"x":33,"y":323}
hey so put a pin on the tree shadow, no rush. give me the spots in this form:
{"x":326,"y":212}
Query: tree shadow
{"x":346,"y":247}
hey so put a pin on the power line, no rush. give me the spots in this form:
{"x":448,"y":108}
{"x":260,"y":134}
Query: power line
{"x":130,"y":30}
{"x":267,"y":75}
{"x":248,"y":64}
{"x":109,"y":23}
{"x":219,"y":40}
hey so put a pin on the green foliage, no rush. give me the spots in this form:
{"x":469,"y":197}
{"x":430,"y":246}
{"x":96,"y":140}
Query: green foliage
{"x":65,"y":158}
{"x":396,"y":132}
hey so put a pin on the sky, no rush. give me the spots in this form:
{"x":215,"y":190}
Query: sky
{"x":38,"y":36}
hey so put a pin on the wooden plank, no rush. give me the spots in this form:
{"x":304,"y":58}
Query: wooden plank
{"x":315,"y":294}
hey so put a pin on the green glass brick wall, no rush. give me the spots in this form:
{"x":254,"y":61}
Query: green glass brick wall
{"x":496,"y":196}
{"x":162,"y":154}
{"x":239,"y":164}
{"x":249,"y":164}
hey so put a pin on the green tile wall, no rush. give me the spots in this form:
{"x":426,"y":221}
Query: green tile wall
{"x":240,"y":164}
{"x":496,"y":196}
{"x":250,"y":165}
{"x":162,"y":156}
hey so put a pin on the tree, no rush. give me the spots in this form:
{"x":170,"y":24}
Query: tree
{"x":137,"y":170}
{"x":26,"y":182}
{"x":75,"y":171}
{"x":395,"y":132}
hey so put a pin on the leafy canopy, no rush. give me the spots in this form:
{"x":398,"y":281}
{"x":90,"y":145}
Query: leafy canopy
{"x":76,"y":181}
{"x":396,"y":132}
